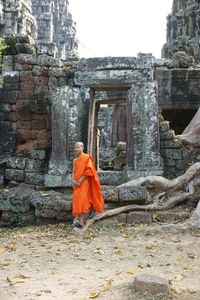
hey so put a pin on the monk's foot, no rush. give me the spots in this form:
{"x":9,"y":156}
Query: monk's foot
{"x":78,"y":225}
{"x":91,"y":214}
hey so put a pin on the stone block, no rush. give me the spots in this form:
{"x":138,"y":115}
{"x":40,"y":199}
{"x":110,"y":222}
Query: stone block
{"x":134,"y":194}
{"x":34,"y":178}
{"x":40,"y":71}
{"x":16,"y":175}
{"x":164,"y":126}
{"x":37,"y":154}
{"x":25,"y":48}
{"x":175,"y":144}
{"x":12,"y":96}
{"x":46,"y":60}
{"x":26,"y":76}
{"x":5,"y":107}
{"x":112,"y":178}
{"x":151,"y":284}
{"x":173,"y":154}
{"x":139,"y":217}
{"x":1,"y":181}
{"x":122,"y":218}
{"x":170,"y":216}
{"x":169,"y":162}
{"x":110,"y":193}
{"x":169,"y":135}
{"x":33,"y":166}
{"x":24,"y":135}
{"x":16,"y":163}
{"x":26,"y":59}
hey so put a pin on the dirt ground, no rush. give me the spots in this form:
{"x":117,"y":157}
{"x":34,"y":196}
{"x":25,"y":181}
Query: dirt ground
{"x":55,"y":262}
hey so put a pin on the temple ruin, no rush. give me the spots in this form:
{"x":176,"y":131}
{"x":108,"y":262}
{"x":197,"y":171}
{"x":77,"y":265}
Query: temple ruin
{"x":127,"y":111}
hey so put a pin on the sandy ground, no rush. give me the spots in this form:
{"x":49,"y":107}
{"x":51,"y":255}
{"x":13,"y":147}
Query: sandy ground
{"x":55,"y":262}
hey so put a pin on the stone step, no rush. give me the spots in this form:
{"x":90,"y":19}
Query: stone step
{"x":124,"y":195}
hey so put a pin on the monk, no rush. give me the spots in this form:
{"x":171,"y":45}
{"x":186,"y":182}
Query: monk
{"x":87,"y":194}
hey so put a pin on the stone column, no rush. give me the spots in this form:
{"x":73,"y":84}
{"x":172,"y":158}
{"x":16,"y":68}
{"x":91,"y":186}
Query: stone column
{"x":66,"y":130}
{"x":143,"y":138}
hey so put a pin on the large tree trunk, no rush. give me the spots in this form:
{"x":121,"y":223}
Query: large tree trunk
{"x":191,"y":134}
{"x":165,"y":194}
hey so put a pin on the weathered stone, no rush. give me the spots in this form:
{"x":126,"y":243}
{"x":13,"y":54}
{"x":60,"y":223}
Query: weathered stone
{"x":122,"y":218}
{"x":26,"y":59}
{"x":17,"y":175}
{"x":173,"y":153}
{"x":5,"y":107}
{"x":1,"y":181}
{"x":134,"y":194}
{"x":33,"y":166}
{"x":139,"y":217}
{"x":170,"y":216}
{"x":175,"y":144}
{"x":184,"y":60}
{"x":164,"y":126}
{"x":110,"y":193}
{"x":169,"y":135}
{"x":16,"y":163}
{"x":151,"y":284}
{"x":37,"y":154}
{"x":25,"y":48}
{"x":34,"y":178}
{"x":16,"y":199}
{"x":112,"y":178}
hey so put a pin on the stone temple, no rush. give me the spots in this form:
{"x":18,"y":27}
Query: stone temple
{"x":126,"y":110}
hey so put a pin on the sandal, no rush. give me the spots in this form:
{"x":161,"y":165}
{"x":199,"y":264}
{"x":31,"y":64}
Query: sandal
{"x":78,"y":225}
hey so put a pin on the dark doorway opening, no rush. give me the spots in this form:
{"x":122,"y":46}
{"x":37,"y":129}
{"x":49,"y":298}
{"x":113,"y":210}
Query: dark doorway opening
{"x":179,"y":118}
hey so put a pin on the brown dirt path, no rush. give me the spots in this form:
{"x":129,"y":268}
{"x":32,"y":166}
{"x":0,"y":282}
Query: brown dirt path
{"x":54,"y":262}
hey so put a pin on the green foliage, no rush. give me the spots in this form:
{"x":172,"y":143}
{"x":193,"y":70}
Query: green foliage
{"x":3,"y":45}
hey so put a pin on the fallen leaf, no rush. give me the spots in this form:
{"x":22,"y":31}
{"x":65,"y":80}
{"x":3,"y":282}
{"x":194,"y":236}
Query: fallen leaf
{"x":125,"y":235}
{"x":177,"y":291}
{"x":94,"y":294}
{"x":47,"y":291}
{"x":191,"y":255}
{"x":6,"y":190}
{"x":130,"y":271}
{"x":186,"y":266}
{"x":2,"y":250}
{"x":19,"y":281}
{"x":24,"y":276}
{"x":119,"y":272}
{"x":179,"y":277}
{"x":4,"y":264}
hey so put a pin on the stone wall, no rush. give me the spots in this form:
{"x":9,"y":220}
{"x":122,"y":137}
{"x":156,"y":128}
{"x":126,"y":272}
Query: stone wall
{"x":25,"y":113}
{"x":183,"y":29}
{"x":177,"y":156}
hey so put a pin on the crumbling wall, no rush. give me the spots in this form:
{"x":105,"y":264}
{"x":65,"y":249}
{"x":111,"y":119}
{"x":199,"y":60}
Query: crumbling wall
{"x":25,"y":112}
{"x":177,"y":156}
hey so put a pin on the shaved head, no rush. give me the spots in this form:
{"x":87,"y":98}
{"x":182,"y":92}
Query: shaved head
{"x":80,"y":144}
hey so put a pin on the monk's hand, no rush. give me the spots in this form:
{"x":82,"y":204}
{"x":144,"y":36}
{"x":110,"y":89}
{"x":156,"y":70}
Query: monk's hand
{"x":76,"y":182}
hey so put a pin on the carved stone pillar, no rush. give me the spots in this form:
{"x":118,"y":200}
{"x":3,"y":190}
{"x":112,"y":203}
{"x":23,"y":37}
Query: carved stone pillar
{"x":143,"y":137}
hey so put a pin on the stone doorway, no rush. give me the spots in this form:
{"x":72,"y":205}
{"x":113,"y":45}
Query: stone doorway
{"x":127,"y":83}
{"x":108,"y":129}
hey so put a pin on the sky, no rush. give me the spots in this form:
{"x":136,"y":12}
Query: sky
{"x":120,"y":27}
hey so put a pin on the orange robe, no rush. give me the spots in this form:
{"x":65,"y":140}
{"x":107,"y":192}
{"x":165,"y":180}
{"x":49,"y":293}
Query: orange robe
{"x":88,"y":195}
